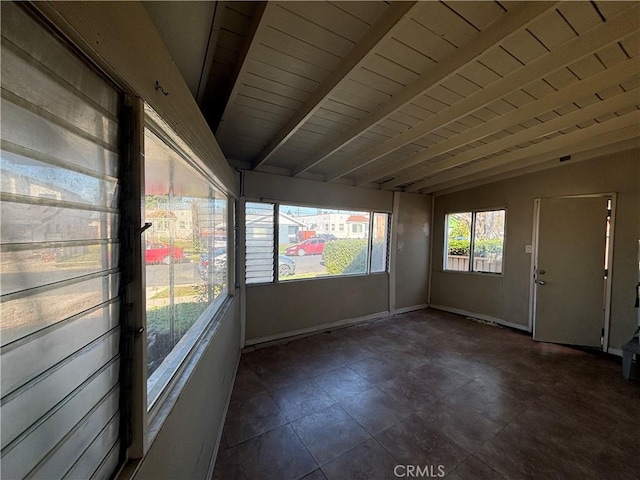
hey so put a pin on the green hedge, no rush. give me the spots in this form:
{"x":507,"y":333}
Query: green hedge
{"x":458,"y":247}
{"x":345,"y":256}
{"x":483,"y":248}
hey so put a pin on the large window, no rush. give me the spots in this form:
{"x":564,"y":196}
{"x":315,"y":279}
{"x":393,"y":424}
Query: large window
{"x":306,"y":248}
{"x":475,"y":241}
{"x":185,"y":253}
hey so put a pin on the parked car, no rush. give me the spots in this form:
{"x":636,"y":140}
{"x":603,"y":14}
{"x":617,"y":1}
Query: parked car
{"x":161,"y":253}
{"x":212,"y":262}
{"x":326,"y":236}
{"x":311,"y":246}
{"x":286,"y":265}
{"x":205,"y":258}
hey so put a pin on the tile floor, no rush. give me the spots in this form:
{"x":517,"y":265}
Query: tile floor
{"x":447,"y":394}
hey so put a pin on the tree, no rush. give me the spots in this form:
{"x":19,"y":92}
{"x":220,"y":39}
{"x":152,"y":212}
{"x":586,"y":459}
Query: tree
{"x":459,"y":226}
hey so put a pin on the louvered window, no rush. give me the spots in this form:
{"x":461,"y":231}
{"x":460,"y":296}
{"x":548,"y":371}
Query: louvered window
{"x":59,"y":254}
{"x":260,"y":242}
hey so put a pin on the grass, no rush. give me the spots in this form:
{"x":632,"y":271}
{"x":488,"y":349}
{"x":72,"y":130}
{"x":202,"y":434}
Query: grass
{"x":187,"y":291}
{"x":179,"y":291}
{"x":283,"y":248}
{"x":90,"y":257}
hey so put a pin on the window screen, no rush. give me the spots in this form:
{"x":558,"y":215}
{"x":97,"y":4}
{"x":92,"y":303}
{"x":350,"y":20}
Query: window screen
{"x":59,"y":245}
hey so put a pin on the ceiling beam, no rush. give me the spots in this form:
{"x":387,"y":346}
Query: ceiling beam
{"x":591,"y":85}
{"x":616,"y":28}
{"x":381,"y":28}
{"x":251,"y":42}
{"x":506,"y":25}
{"x":218,"y":14}
{"x":626,"y":126}
{"x":572,"y":119}
{"x":592,"y":148}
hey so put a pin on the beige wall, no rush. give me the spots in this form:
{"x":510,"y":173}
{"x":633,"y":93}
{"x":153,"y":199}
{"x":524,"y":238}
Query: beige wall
{"x":277,"y":310}
{"x":270,"y":187}
{"x":412,"y":236}
{"x":184,"y":446}
{"x":506,"y":297}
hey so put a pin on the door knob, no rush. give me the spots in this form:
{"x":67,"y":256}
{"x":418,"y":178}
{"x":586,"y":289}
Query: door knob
{"x":541,"y":282}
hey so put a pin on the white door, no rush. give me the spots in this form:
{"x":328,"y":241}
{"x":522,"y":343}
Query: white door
{"x":569,"y":276}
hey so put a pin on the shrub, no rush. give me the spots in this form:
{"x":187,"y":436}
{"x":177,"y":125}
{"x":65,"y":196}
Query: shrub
{"x":488,"y":247}
{"x":458,"y":247}
{"x":345,"y":256}
{"x":482,"y":248}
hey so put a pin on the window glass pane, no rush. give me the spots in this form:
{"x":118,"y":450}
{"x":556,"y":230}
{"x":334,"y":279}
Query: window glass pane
{"x":259,"y":221}
{"x":315,"y":242}
{"x":380,"y":242}
{"x":458,"y":241}
{"x":185,"y":257}
{"x":488,"y":241}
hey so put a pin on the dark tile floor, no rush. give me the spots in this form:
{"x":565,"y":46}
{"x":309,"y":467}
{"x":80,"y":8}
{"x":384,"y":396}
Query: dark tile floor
{"x":433,"y":390}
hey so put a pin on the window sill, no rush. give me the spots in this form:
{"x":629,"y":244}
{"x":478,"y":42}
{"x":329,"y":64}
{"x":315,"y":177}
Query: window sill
{"x":482,"y":274}
{"x":318,"y":278}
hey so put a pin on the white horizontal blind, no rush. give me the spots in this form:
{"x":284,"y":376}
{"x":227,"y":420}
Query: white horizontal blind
{"x":260,"y":242}
{"x":59,"y":252}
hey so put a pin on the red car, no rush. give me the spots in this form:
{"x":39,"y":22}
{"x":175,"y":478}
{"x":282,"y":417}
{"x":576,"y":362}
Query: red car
{"x":161,"y":253}
{"x":311,"y":246}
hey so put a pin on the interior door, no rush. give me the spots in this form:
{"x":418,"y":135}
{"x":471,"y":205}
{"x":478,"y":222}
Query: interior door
{"x":569,"y":276}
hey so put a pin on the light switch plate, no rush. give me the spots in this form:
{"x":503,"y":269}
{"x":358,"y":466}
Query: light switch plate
{"x":528,"y":249}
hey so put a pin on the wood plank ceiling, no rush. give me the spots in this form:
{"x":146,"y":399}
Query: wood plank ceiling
{"x":428,"y":96}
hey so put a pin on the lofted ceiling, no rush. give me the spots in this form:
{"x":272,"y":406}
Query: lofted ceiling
{"x":418,"y":96}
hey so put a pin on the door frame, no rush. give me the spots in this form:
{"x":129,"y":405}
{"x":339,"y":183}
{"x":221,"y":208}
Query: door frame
{"x":609,"y":253}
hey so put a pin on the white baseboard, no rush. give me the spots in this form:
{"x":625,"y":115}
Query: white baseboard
{"x":269,"y":340}
{"x":482,"y":317}
{"x":214,"y":457}
{"x":399,"y":311}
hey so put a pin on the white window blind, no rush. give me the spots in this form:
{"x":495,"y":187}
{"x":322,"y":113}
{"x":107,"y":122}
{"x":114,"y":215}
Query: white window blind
{"x":59,"y":252}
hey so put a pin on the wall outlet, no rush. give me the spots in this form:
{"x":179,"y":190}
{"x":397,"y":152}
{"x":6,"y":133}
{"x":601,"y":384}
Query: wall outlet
{"x":528,"y":249}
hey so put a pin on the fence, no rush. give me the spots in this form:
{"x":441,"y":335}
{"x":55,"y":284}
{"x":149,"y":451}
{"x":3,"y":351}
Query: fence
{"x":480,"y":264}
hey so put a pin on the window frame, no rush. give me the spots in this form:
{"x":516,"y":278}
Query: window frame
{"x":137,"y":431}
{"x":152,"y":416}
{"x":473,"y":213}
{"x":278,"y":204}
{"x":387,"y":257}
{"x":275,"y":236}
